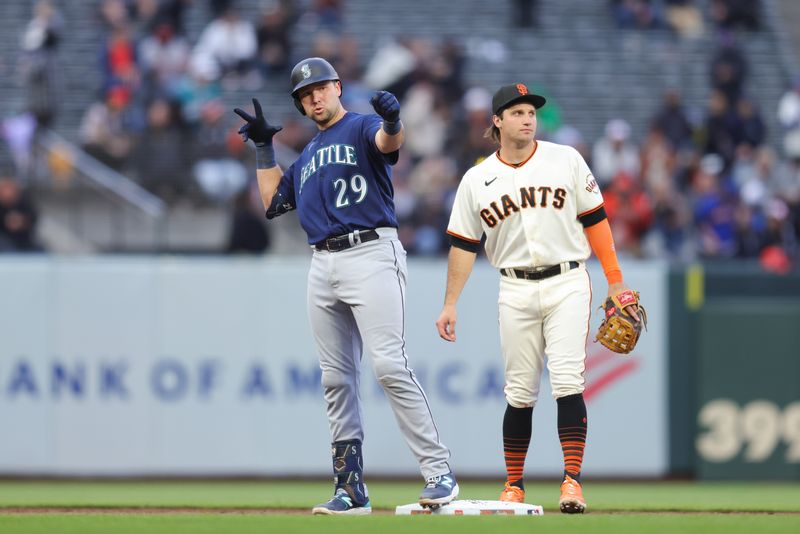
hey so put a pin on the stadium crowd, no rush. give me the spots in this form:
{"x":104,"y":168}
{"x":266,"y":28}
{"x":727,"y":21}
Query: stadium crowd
{"x":696,"y":185}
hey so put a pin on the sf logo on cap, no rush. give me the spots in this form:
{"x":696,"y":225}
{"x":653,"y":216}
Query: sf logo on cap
{"x":306,"y":70}
{"x":522,"y":89}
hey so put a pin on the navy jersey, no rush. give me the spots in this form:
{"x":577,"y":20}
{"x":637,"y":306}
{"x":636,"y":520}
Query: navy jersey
{"x":342,"y":182}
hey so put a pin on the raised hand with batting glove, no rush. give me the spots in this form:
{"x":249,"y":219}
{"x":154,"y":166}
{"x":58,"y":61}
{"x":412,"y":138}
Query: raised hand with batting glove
{"x":386,"y":105}
{"x":257,"y":128}
{"x":268,"y":174}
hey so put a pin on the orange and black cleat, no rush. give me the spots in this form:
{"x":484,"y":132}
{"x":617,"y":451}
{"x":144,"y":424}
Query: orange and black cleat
{"x":572,"y":501}
{"x":512,"y":494}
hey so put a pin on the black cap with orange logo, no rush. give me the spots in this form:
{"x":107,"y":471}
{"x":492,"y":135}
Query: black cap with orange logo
{"x":508,"y":95}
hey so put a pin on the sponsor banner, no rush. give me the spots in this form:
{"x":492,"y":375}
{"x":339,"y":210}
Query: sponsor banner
{"x":140,"y":366}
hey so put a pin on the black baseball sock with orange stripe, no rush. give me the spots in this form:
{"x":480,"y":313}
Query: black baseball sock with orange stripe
{"x":572,"y":432}
{"x":517,"y":428}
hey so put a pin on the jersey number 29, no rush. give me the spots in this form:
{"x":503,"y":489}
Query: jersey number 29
{"x":357,"y":187}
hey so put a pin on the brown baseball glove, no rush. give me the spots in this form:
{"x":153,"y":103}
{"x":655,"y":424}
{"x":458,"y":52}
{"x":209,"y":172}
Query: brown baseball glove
{"x":619,"y":331}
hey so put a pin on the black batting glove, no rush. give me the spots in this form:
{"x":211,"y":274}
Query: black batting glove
{"x":386,"y":105}
{"x":257,"y":128}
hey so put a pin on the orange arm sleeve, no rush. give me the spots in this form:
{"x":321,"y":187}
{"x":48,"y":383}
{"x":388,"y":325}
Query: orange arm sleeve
{"x":602,"y":243}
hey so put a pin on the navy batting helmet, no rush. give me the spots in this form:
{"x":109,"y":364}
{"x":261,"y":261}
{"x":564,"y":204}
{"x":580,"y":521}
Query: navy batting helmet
{"x":308,"y":71}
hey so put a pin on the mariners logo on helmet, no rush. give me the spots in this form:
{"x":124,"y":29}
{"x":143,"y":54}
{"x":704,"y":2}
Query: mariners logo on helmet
{"x":308,"y":72}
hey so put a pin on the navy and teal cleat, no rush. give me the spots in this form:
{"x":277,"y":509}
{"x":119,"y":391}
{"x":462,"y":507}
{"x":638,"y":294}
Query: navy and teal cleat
{"x":438,"y":491}
{"x":342,"y":504}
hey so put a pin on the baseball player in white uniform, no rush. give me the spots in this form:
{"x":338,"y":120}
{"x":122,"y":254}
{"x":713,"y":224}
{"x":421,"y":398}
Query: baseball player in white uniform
{"x":540,"y":210}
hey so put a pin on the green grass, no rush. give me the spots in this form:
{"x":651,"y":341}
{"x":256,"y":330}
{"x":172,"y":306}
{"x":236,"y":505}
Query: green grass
{"x":602,"y":496}
{"x":617,"y":508}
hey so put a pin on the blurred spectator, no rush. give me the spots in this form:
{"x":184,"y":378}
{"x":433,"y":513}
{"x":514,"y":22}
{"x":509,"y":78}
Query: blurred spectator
{"x":40,"y":66}
{"x":775,"y":260}
{"x":296,"y":133}
{"x":525,"y":14}
{"x":248,"y":233}
{"x":789,"y":117}
{"x":779,"y":232}
{"x":467,"y":143}
{"x":728,"y":67}
{"x":218,"y":7}
{"x":788,"y":184}
{"x":423,"y":50}
{"x":326,"y":15}
{"x":613,"y":153}
{"x":433,"y":176}
{"x":349,"y":64}
{"x":197,"y":88}
{"x":114,"y":14}
{"x":672,"y":120}
{"x":636,"y":14}
{"x":425,"y":116}
{"x":172,"y":12}
{"x":220,"y":175}
{"x":430,"y":223}
{"x":787,"y":187}
{"x":18,"y":217}
{"x":391,"y":63}
{"x":164,"y":58}
{"x":721,"y":128}
{"x":548,"y":118}
{"x":143,"y":16}
{"x":167,"y":173}
{"x":713,"y":210}
{"x":446,"y":67}
{"x":107,"y":128}
{"x":750,"y":129}
{"x":571,"y":136}
{"x":749,"y":234}
{"x":18,"y":131}
{"x":357,"y":94}
{"x":684,"y":17}
{"x":753,"y":175}
{"x":671,"y":223}
{"x":629,"y":212}
{"x":227,"y":49}
{"x":732,"y":14}
{"x":118,"y":59}
{"x":325,"y":44}
{"x":658,"y":160}
{"x":274,"y":43}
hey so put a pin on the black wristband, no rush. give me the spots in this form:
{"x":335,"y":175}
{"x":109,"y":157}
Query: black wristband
{"x":392,"y":128}
{"x":265,"y":156}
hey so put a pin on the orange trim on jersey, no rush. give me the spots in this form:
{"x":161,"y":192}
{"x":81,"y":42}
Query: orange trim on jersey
{"x":521,"y":163}
{"x":587,"y":212}
{"x":478,"y":241}
{"x":602,"y":243}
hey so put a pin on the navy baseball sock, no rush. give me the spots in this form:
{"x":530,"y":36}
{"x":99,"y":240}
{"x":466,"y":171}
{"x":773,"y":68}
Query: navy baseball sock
{"x":572,"y":433}
{"x":348,"y":465}
{"x":517,"y":429}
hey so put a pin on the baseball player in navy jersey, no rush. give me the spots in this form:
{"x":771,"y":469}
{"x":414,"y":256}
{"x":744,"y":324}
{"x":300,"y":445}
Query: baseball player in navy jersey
{"x":341,"y":188}
{"x":540,"y":210}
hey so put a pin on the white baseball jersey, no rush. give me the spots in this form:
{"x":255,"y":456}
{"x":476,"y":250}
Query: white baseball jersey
{"x":529,"y":212}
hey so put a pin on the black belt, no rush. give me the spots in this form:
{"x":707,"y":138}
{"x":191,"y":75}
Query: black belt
{"x":343,"y":242}
{"x":540,"y":274}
